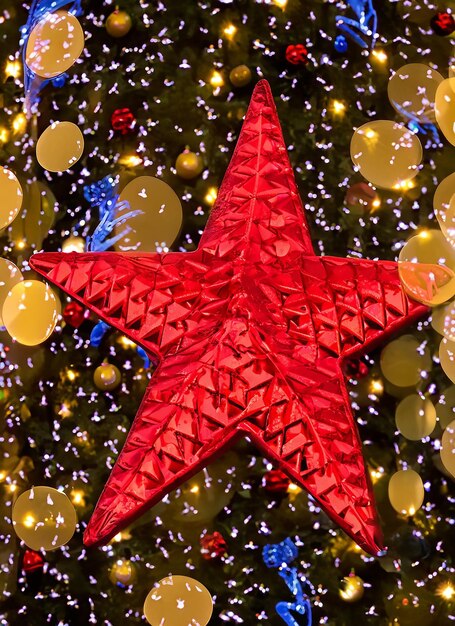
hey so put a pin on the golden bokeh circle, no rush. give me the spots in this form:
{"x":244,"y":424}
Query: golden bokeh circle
{"x":444,"y":206}
{"x":448,"y":448}
{"x":10,"y":275}
{"x":159,"y":221}
{"x":445,"y":108}
{"x":54,"y":44}
{"x":178,"y":600}
{"x":406,"y":492}
{"x":12,"y":195}
{"x":447,"y":358}
{"x":44,"y":518}
{"x":60,"y":146}
{"x":443,"y":320}
{"x":426,"y":265}
{"x":415,"y":417}
{"x":30,"y":312}
{"x":412,"y":92}
{"x":386,"y":153}
{"x":445,"y":407}
{"x":403,"y":360}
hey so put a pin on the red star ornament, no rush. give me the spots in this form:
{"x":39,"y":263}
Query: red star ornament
{"x":250,"y":331}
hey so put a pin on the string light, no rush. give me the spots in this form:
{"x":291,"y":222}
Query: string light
{"x":77,"y":497}
{"x":29,"y":521}
{"x":13,"y":69}
{"x":3,"y":475}
{"x":376,"y":386}
{"x":280,"y":3}
{"x":337,"y":107}
{"x":19,"y":123}
{"x":130,"y":160}
{"x":217,"y":81}
{"x":446,"y":591}
{"x":229,"y":31}
{"x":379,"y":55}
{"x":194,"y":489}
{"x":211,"y":195}
{"x":4,"y":134}
{"x":405,"y":185}
{"x":71,"y":375}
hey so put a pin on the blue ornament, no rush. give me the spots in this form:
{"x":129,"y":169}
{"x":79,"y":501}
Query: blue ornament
{"x":341,"y":44}
{"x":280,"y":556}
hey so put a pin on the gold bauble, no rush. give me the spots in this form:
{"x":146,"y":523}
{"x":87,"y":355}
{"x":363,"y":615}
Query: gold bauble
{"x":403,"y":360}
{"x":30,"y":312}
{"x":188,"y":165}
{"x":178,"y":601}
{"x":351,"y":588}
{"x":386,"y":153}
{"x":60,"y":146}
{"x":426,"y":265}
{"x":123,"y":573}
{"x":10,"y":275}
{"x":415,"y":417}
{"x":107,"y":377}
{"x":44,"y":518}
{"x":54,"y":44}
{"x":118,"y":24}
{"x":406,"y":492}
{"x":240,"y":76}
{"x":73,"y":244}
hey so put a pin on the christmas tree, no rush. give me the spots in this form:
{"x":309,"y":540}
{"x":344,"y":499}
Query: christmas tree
{"x":117,"y":127}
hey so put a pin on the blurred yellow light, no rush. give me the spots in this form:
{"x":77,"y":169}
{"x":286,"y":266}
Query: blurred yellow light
{"x":293,"y":488}
{"x":21,"y":244}
{"x":376,"y":474}
{"x":338,"y":107}
{"x":126,"y":342}
{"x":424,"y":234}
{"x":117,"y":538}
{"x":376,"y":386}
{"x":2,"y":476}
{"x":194,"y":489}
{"x":19,"y":123}
{"x":371,"y":134}
{"x":12,"y":488}
{"x":4,"y":134}
{"x":405,"y":185}
{"x":229,"y":31}
{"x":379,"y":55}
{"x":71,"y":375}
{"x":13,"y":69}
{"x":376,"y":203}
{"x":65,"y":410}
{"x":216,"y":79}
{"x":446,"y":591}
{"x":280,"y":3}
{"x":211,"y":195}
{"x":130,"y":160}
{"x":77,"y":497}
{"x":29,"y":521}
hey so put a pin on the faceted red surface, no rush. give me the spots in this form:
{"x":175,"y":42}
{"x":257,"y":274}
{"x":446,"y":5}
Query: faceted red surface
{"x":251,"y":331}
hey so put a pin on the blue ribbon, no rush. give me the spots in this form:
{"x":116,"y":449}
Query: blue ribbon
{"x":103,"y":194}
{"x":280,"y":556}
{"x":366,"y":23}
{"x":38,"y":10}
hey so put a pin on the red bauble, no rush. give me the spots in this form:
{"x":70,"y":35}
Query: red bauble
{"x":251,"y":330}
{"x":123,"y":121}
{"x":355,"y":368}
{"x":276,"y":481}
{"x":213,"y":546}
{"x":32,"y":561}
{"x":443,"y":23}
{"x":297,"y":54}
{"x":74,"y":314}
